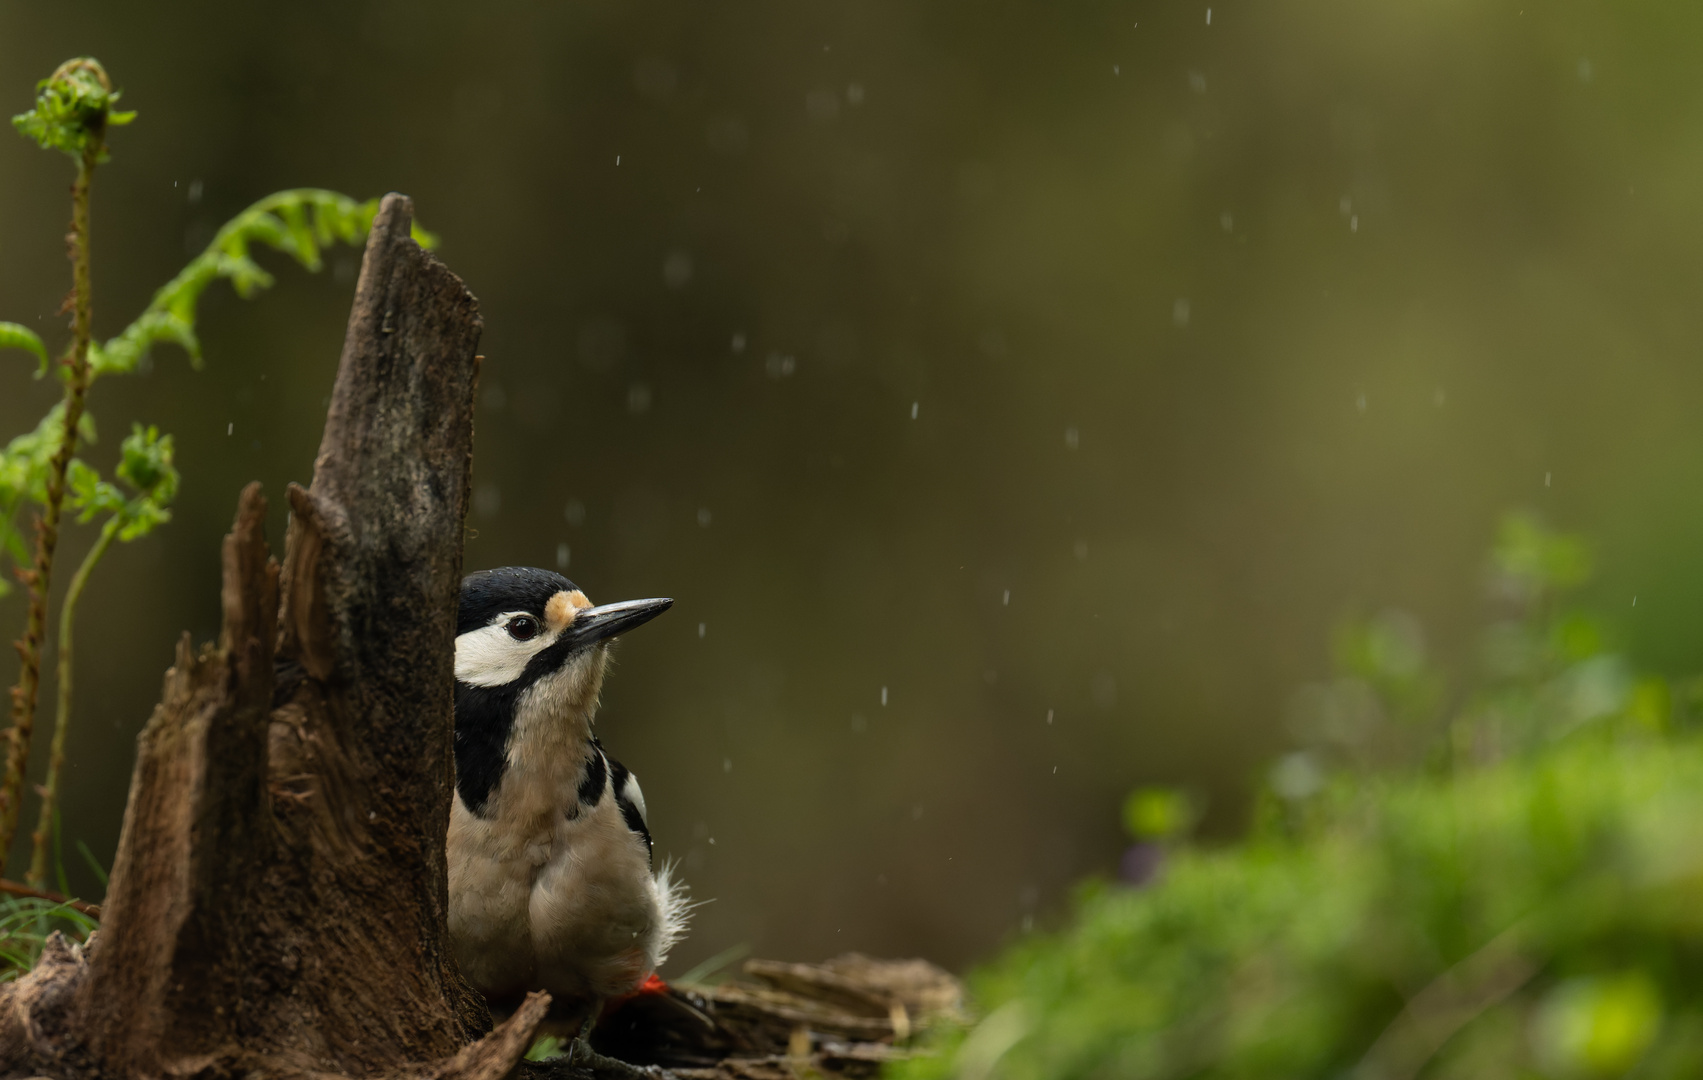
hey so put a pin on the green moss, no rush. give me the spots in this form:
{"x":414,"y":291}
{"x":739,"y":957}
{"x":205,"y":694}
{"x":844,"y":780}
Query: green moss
{"x":1522,"y":898}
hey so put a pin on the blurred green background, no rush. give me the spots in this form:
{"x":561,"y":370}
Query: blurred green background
{"x":1013,"y":395}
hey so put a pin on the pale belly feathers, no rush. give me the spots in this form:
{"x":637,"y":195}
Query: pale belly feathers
{"x":550,"y":893}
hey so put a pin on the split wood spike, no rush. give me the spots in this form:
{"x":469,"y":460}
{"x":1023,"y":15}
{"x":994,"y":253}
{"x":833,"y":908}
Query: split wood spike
{"x":277,"y":905}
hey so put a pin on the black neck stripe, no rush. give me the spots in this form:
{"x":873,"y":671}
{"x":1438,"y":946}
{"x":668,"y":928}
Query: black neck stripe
{"x":484,"y":720}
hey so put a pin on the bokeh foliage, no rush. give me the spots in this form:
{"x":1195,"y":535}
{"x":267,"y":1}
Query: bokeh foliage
{"x":1521,"y":894}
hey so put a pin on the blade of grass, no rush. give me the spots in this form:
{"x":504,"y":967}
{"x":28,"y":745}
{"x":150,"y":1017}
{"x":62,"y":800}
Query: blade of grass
{"x":59,"y":855}
{"x":94,"y":863}
{"x":706,"y":972}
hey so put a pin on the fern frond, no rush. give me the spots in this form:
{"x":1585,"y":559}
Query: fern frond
{"x":300,"y":222}
{"x":14,"y":336}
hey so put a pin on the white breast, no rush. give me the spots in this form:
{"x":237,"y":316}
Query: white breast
{"x":548,"y":893}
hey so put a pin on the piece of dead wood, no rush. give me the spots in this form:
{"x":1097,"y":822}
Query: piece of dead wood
{"x":842,"y":1018}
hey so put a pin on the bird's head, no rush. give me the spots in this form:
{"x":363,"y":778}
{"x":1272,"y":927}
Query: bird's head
{"x":524,"y":631}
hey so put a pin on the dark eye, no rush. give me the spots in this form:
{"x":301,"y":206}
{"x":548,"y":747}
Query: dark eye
{"x":523,"y":628}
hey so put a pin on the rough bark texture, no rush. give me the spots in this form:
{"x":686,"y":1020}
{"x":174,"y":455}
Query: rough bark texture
{"x":277,"y":904}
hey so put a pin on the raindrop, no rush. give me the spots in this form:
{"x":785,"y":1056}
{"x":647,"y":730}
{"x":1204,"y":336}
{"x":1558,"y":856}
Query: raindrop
{"x":617,"y":159}
{"x":1049,"y":718}
{"x":1197,"y":81}
{"x":780,"y":365}
{"x":1439,"y":398}
{"x":1227,"y":222}
{"x":1354,"y":223}
{"x":677,"y":269}
{"x":196,"y":190}
{"x":854,"y":94}
{"x":1072,"y":438}
{"x":1007,"y":600}
{"x":738,"y":344}
{"x":914,"y":405}
{"x":702,"y":629}
{"x":883,"y":695}
{"x":1360,"y":402}
{"x":230,"y":427}
{"x":1586,"y":71}
{"x":726,"y":767}
{"x":563,"y":554}
{"x":1546,"y":477}
{"x":1209,"y":16}
{"x":1115,"y":69}
{"x":1180,"y":312}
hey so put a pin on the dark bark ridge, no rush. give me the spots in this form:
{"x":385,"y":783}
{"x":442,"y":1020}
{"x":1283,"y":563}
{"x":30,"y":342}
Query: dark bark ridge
{"x":277,"y":904}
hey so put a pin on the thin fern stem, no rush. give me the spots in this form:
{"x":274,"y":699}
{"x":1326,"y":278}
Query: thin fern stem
{"x":46,"y":825}
{"x":40,"y":577}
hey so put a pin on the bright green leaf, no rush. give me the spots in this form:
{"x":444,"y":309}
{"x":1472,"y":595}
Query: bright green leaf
{"x":1158,"y":813}
{"x":14,"y":336}
{"x":73,"y":109}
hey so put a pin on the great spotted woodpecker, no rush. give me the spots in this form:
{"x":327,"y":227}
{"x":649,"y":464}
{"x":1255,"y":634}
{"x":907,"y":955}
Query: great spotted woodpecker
{"x":551,"y":878}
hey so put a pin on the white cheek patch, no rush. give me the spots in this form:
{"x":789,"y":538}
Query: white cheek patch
{"x":488,"y":656}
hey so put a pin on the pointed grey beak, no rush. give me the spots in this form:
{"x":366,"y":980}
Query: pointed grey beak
{"x":600,"y":623}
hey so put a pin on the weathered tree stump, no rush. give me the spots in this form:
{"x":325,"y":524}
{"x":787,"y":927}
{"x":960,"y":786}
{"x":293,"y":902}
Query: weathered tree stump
{"x":277,"y":904}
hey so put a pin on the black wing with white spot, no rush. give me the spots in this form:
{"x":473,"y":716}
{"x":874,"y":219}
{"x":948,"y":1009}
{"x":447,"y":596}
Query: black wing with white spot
{"x":629,"y":799}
